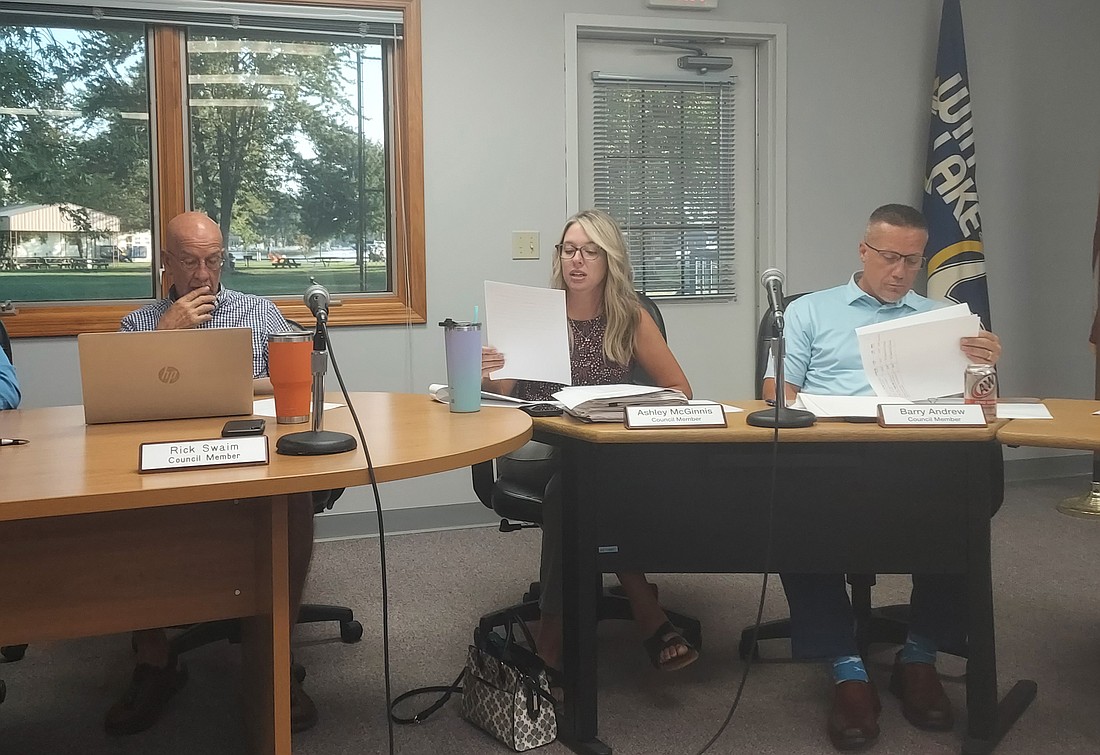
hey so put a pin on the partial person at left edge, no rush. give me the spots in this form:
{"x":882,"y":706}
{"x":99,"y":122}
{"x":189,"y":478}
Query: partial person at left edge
{"x":193,"y":257}
{"x":9,"y":384}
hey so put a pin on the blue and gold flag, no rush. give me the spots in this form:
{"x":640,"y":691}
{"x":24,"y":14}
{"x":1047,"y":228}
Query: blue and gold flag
{"x":956,"y":258}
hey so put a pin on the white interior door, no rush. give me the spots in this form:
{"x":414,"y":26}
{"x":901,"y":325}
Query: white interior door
{"x":714,"y":340}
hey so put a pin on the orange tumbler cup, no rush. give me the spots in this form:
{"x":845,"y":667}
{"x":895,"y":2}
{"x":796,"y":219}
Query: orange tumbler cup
{"x":288,"y":366}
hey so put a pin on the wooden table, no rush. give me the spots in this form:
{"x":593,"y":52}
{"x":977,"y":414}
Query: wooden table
{"x":1073,"y":426}
{"x":89,"y":546}
{"x":848,"y":498}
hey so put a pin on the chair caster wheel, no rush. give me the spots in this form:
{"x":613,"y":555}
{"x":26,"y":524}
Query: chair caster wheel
{"x":13,"y":652}
{"x":351,"y":631}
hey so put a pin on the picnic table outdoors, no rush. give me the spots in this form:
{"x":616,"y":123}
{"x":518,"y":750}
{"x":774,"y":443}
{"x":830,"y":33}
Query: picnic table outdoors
{"x":45,"y":263}
{"x":281,"y":260}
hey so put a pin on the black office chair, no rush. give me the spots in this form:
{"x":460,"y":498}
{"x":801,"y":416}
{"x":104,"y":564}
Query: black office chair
{"x":514,"y":487}
{"x":883,"y":625}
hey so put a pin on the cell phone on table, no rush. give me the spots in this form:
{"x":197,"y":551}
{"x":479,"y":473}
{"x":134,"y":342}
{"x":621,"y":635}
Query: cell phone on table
{"x":542,"y":410}
{"x":237,"y":427}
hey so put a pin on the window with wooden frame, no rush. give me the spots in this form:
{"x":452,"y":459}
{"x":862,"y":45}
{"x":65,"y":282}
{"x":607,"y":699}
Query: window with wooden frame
{"x":296,"y":127}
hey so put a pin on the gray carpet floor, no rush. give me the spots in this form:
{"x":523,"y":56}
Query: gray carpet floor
{"x":1048,"y":617}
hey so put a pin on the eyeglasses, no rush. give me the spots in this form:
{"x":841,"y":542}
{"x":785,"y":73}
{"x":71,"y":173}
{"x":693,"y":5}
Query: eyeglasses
{"x":912,"y":261}
{"x":568,"y":251}
{"x":191,"y":264}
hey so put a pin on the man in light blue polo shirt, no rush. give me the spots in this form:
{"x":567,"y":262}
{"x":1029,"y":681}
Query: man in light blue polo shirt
{"x":822,"y":357}
{"x":822,"y":352}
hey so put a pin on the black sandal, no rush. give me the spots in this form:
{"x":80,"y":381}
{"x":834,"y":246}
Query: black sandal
{"x":668,"y":636}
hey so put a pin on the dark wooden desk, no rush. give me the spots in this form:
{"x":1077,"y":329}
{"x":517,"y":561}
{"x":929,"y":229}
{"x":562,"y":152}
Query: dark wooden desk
{"x":849,"y":498}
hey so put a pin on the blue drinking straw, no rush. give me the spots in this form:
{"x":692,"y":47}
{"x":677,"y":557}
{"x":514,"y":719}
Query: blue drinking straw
{"x":475,"y":313}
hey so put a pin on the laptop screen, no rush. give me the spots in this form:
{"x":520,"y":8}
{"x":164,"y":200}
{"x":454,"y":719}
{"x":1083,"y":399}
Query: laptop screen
{"x":165,"y":374}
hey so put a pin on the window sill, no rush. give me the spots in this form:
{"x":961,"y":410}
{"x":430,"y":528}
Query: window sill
{"x":53,"y":319}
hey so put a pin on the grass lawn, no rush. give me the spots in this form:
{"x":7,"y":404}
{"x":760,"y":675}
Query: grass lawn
{"x":128,"y":281}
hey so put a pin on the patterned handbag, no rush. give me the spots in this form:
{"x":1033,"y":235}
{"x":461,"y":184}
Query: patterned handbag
{"x":505,"y":691}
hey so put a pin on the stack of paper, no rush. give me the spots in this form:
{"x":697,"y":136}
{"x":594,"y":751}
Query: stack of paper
{"x":918,"y":356}
{"x":607,"y":403}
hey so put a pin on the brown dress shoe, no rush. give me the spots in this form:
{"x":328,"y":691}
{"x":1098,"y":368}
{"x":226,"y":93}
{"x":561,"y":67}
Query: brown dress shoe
{"x":923,"y":700}
{"x":144,"y":701}
{"x":853,"y":720}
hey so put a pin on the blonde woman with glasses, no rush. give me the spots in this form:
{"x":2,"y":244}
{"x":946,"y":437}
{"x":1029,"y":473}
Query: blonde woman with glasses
{"x":610,"y":334}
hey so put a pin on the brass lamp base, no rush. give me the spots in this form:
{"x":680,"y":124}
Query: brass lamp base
{"x":1086,"y":506}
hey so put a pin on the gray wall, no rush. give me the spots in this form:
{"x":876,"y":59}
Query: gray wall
{"x":859,"y":83}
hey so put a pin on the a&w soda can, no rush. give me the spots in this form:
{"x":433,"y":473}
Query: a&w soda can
{"x":980,"y":387}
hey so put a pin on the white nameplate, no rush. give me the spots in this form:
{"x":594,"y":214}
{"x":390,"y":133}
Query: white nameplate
{"x":692,"y":415}
{"x":941,"y":415}
{"x":190,"y":454}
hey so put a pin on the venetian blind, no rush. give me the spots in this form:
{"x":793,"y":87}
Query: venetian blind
{"x":664,"y":168}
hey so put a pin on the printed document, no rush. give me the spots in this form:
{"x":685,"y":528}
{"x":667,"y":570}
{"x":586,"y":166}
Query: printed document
{"x":529,"y":327}
{"x":918,"y":357}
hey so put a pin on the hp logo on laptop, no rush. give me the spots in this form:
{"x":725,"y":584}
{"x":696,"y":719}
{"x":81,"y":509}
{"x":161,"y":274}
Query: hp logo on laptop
{"x":168,"y":375}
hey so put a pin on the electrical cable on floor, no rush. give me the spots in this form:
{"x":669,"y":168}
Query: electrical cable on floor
{"x":381,"y":533}
{"x":763,"y":589}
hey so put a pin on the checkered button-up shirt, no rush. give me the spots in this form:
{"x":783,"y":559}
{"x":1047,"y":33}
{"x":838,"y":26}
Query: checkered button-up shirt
{"x":232,"y":309}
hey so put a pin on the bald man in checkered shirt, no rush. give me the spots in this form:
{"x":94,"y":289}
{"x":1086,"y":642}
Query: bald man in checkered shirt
{"x":193,"y":259}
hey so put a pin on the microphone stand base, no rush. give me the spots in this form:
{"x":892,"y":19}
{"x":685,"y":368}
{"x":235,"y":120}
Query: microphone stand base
{"x":780,"y":417}
{"x":315,"y":443}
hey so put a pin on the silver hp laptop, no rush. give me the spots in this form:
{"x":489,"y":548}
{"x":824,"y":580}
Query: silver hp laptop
{"x":165,"y":374}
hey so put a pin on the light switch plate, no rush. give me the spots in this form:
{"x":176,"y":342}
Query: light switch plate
{"x":525,"y":245}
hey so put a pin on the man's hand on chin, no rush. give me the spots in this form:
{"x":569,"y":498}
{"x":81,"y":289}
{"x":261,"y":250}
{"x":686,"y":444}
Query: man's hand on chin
{"x":189,"y":311}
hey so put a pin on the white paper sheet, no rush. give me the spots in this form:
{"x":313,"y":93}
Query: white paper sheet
{"x":725,"y":407}
{"x":1023,"y":411}
{"x":265,"y":407}
{"x":918,"y":356}
{"x":529,"y":327}
{"x":844,"y":406}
